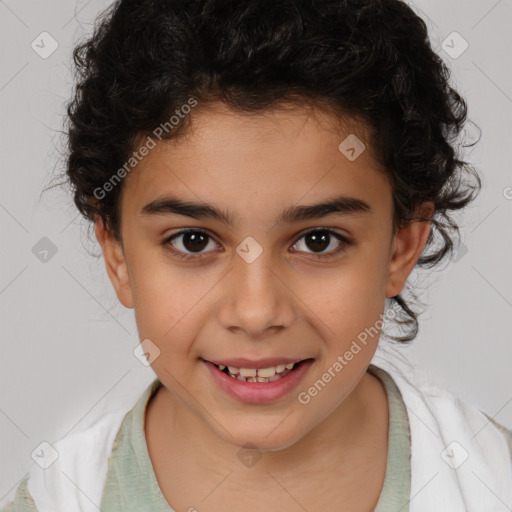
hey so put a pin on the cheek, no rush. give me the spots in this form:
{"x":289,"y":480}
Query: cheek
{"x":172,"y":305}
{"x":350,"y":293}
{"x":167,"y":301}
{"x":347,"y":304}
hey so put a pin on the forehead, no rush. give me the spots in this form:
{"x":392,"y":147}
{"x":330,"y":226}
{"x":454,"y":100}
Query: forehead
{"x":256,"y":163}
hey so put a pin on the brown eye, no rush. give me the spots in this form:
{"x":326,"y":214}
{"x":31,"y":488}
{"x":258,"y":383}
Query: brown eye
{"x":318,"y":240}
{"x":194,"y":241}
{"x":189,"y":242}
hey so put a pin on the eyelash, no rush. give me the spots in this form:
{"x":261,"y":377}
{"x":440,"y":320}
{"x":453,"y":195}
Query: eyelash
{"x":189,"y":256}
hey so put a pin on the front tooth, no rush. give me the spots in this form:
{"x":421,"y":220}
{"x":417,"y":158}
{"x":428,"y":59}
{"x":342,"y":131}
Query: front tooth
{"x":233,"y":370}
{"x":267,"y":372}
{"x":248,"y":372}
{"x":280,"y":368}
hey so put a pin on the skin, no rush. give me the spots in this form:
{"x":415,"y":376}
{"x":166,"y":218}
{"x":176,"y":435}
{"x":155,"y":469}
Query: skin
{"x":285,"y":303}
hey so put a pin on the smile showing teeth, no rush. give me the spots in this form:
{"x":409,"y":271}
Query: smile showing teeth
{"x":258,"y":375}
{"x":257,"y":381}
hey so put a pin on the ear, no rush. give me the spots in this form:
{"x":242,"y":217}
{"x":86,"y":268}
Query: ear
{"x":408,"y":244}
{"x":115,"y":263}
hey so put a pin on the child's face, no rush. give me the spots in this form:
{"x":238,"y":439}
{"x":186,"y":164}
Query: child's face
{"x":286,"y":303}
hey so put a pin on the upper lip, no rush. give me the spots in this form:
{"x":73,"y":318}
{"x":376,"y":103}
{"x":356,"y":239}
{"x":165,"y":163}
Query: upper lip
{"x":242,"y":362}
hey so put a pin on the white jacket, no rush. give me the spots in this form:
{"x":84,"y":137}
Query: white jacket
{"x":460,"y":462}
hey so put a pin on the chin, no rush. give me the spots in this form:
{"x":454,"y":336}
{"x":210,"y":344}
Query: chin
{"x":262,"y":440}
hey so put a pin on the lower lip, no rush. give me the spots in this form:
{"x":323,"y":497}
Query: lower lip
{"x":259,"y":392}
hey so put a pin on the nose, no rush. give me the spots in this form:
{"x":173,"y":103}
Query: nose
{"x":257,"y":302}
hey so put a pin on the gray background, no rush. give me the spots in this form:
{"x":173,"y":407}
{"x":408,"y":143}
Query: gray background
{"x":67,"y":345}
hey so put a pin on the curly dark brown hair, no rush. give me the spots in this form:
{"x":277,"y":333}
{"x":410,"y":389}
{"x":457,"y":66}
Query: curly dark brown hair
{"x":366,"y":59}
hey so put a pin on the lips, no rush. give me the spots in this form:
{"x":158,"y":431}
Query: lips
{"x":256,"y":389}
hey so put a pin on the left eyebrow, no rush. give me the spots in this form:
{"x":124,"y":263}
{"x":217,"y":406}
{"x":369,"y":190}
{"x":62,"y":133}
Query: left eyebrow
{"x":340,"y":205}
